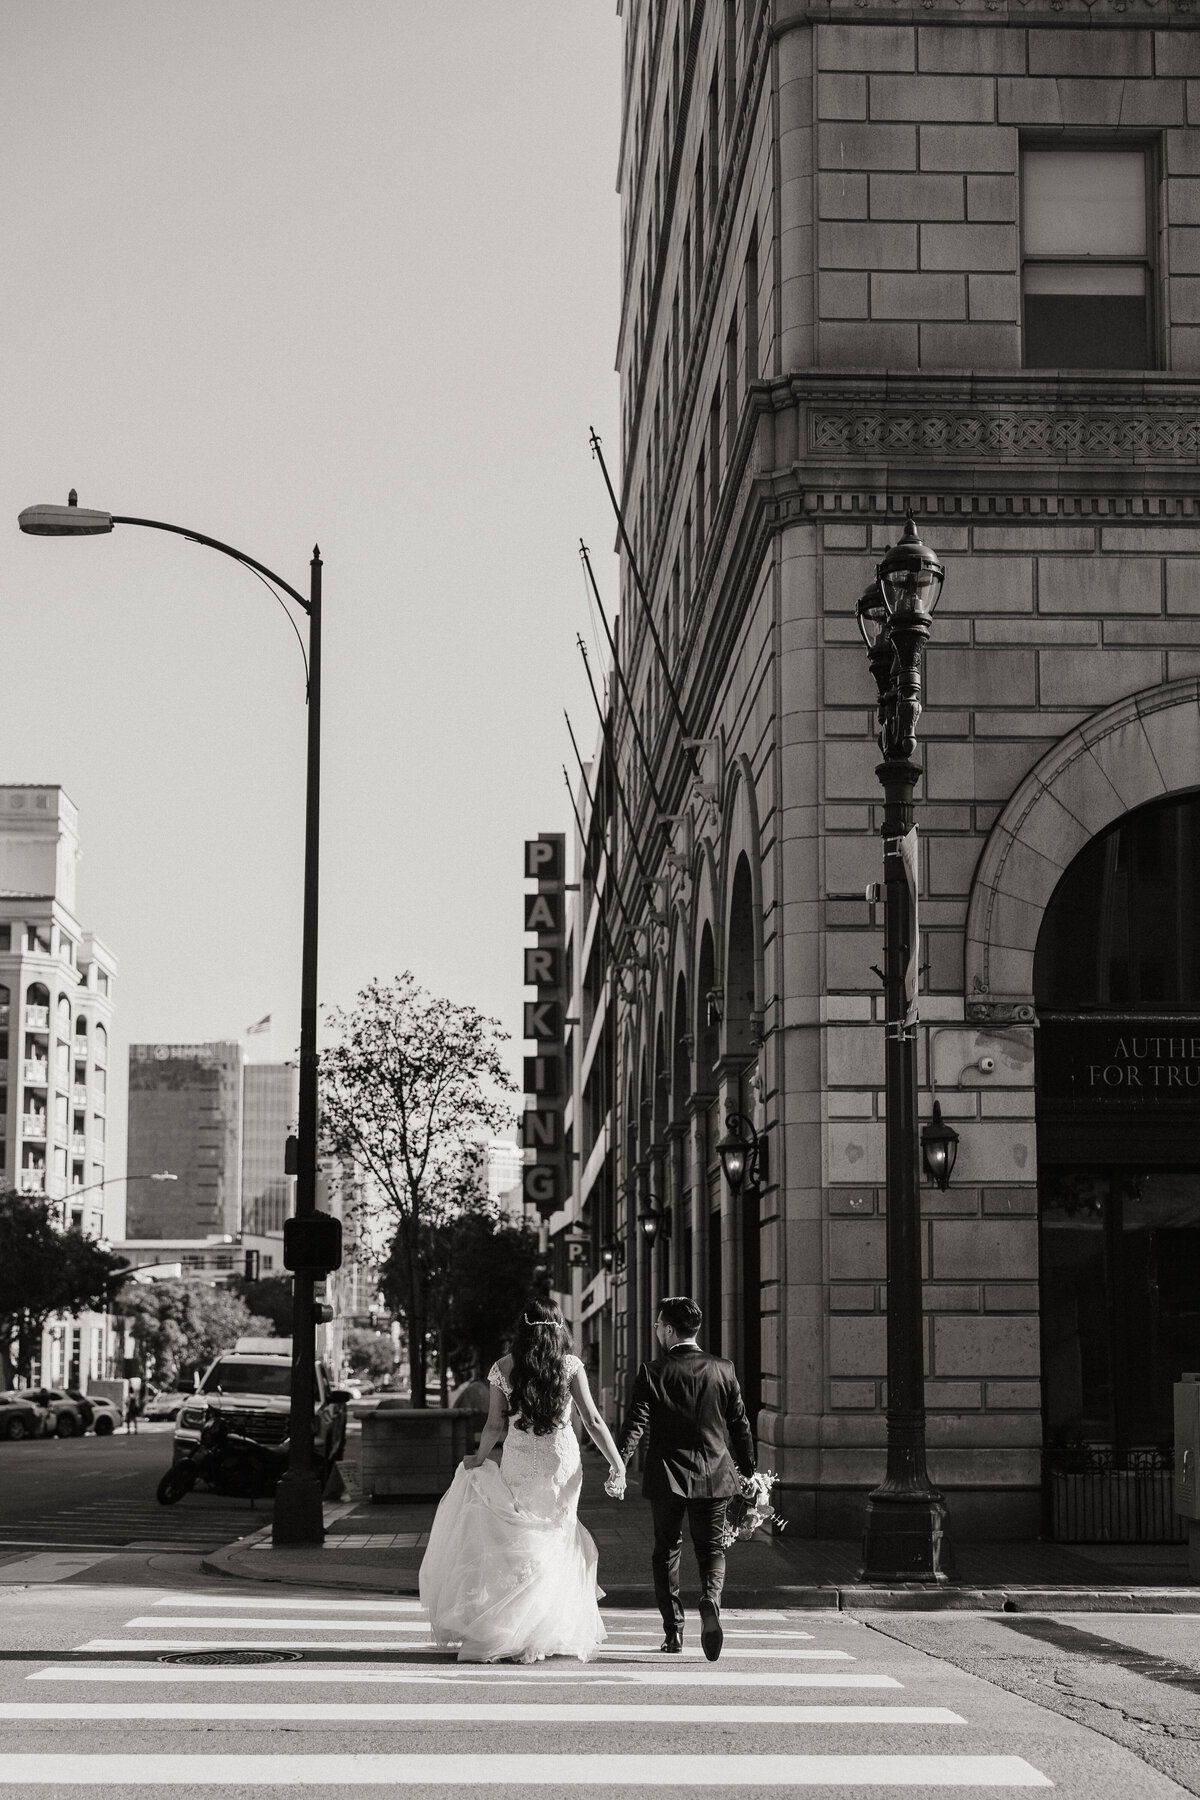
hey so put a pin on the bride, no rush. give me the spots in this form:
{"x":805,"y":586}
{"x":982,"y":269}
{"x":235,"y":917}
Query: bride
{"x":509,"y":1571}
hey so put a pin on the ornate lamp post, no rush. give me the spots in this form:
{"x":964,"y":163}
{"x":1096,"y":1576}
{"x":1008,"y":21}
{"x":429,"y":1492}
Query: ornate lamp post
{"x":312,"y":1240}
{"x":905,"y":1537}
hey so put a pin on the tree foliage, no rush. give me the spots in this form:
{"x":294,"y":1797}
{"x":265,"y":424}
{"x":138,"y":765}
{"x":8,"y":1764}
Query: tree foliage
{"x":179,"y":1326}
{"x":368,"y":1353}
{"x":410,"y":1085}
{"x":270,"y":1298}
{"x":43,"y":1271}
{"x":481,"y":1271}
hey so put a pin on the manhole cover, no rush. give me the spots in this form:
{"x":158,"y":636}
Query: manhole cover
{"x":238,"y":1657}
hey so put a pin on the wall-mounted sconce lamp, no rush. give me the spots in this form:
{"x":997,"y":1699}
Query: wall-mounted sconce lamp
{"x":939,"y":1148}
{"x":743,"y":1159}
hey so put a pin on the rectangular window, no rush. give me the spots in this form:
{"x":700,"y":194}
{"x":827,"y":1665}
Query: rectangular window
{"x":714,"y":127}
{"x":730,"y":65}
{"x":731,"y":388}
{"x":700,"y":512}
{"x":1087,"y":291}
{"x":714,"y":453}
{"x":750,"y":308}
{"x":686,"y":282}
{"x":698,"y":213}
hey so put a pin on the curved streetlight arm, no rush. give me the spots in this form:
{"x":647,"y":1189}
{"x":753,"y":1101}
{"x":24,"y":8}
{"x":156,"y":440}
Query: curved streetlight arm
{"x":298,"y":1516}
{"x":199,"y":537}
{"x":117,"y":1180}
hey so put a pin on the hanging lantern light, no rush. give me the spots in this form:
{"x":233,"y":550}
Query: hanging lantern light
{"x":939,"y":1149}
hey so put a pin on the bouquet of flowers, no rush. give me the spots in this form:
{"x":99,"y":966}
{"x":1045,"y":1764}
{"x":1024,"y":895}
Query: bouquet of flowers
{"x":750,"y":1510}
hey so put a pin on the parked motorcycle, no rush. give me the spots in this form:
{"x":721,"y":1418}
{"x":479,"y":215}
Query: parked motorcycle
{"x":228,"y":1460}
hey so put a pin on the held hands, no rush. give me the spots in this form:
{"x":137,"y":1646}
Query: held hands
{"x":614,"y":1486}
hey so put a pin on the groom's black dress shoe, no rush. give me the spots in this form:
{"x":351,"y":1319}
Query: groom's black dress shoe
{"x":711,"y":1635}
{"x":671,"y":1646}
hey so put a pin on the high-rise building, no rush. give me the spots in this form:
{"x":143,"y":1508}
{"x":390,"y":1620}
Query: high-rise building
{"x":185,"y":1117}
{"x":878,"y":258}
{"x":56,"y":1005}
{"x":270,"y":1101}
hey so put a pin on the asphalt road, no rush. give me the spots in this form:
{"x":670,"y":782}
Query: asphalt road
{"x":93,"y":1694}
{"x":101,"y":1590}
{"x":98,"y":1493}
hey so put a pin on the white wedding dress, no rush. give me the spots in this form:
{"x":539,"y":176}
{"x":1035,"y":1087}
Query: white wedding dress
{"x":509,"y":1572}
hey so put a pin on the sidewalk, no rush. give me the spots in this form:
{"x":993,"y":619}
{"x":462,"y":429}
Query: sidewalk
{"x":378,"y":1548}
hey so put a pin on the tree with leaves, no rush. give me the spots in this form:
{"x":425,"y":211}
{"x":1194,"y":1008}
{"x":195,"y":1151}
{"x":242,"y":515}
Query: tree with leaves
{"x":43,"y":1271}
{"x":271,"y":1298}
{"x":368,"y":1353}
{"x":410,"y":1086}
{"x":178,"y":1327}
{"x":482,"y":1269}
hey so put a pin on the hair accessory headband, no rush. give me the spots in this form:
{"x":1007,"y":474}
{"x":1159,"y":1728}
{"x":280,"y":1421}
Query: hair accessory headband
{"x":533,"y":1322}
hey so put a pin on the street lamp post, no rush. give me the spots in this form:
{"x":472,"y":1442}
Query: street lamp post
{"x":298,"y":1516}
{"x":905,"y":1537}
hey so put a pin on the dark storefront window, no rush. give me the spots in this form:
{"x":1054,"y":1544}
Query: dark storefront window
{"x":1121,"y":1302}
{"x":1117,"y":985}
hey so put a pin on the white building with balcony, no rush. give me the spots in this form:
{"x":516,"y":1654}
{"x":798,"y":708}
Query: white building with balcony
{"x":56,"y":982}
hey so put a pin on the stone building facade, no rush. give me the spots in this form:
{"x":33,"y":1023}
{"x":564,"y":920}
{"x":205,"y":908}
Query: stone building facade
{"x":949,"y":259}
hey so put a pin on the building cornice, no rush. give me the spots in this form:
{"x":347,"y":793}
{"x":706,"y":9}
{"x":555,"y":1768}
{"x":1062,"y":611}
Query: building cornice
{"x":1123,"y":15}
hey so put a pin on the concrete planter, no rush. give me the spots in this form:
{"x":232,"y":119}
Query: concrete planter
{"x":412,"y":1453}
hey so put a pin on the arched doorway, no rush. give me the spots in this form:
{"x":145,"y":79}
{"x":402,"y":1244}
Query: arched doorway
{"x":1116,"y":982}
{"x":708,"y":1181}
{"x":741,"y":1048}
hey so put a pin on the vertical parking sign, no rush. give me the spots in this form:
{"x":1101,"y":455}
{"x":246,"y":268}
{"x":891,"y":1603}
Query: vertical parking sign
{"x":544,"y":1181}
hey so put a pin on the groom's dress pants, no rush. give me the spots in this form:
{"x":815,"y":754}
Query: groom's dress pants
{"x":706,"y":1521}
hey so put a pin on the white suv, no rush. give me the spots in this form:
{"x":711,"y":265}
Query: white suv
{"x":251,"y":1386}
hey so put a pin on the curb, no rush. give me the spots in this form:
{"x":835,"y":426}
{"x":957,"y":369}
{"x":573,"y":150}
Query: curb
{"x":231,"y":1562}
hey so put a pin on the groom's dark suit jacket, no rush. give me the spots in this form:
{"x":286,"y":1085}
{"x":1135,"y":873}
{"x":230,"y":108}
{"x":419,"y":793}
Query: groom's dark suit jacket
{"x":691,"y":1406}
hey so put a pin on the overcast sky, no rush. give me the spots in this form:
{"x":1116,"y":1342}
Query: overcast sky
{"x":291,"y":272}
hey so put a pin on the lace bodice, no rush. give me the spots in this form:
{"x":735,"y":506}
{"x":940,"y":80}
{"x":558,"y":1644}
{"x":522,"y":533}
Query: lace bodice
{"x":497,"y":1378}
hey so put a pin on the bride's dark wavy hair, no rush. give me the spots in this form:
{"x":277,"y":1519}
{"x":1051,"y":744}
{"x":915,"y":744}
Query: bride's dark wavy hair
{"x":538,"y":1380}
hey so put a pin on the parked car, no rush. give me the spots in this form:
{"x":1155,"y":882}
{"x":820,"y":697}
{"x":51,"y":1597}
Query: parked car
{"x":100,"y":1414}
{"x":68,"y":1414}
{"x":251,"y":1386}
{"x":167,"y":1404}
{"x":22,"y":1417}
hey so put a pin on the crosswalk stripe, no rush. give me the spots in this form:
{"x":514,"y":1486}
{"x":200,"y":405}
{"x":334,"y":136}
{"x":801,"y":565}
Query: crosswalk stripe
{"x":270,"y":1601}
{"x":469,"y":1674}
{"x":298,"y":1643}
{"x":523,"y":1770}
{"x":233,"y":1623}
{"x":465,"y":1712}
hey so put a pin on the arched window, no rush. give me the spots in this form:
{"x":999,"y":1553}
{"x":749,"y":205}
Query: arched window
{"x":1122,"y":929}
{"x":100,"y":1044}
{"x":739,"y":963}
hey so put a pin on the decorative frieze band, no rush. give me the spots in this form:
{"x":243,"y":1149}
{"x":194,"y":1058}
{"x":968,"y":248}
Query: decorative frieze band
{"x":1012,"y":436}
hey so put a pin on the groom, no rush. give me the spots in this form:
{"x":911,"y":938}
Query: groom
{"x":691,"y":1406}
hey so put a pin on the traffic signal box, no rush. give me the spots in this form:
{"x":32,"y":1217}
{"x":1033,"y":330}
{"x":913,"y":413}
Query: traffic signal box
{"x":544,"y":1180}
{"x":313,"y":1244}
